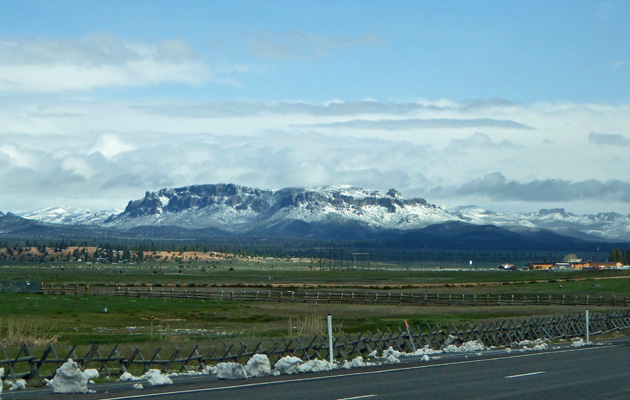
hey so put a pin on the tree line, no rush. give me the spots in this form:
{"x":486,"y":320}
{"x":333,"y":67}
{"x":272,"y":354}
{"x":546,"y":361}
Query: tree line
{"x":618,"y":255}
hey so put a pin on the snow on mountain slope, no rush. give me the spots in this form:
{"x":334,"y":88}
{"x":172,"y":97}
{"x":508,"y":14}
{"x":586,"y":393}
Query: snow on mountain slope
{"x":606,"y":225}
{"x":69,"y":216}
{"x":236,"y":208}
{"x":241,"y":209}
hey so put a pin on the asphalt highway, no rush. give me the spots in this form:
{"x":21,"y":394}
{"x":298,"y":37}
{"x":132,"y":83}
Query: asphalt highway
{"x":594,"y":372}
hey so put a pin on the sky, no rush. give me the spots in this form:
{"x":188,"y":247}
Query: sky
{"x":508,"y":105}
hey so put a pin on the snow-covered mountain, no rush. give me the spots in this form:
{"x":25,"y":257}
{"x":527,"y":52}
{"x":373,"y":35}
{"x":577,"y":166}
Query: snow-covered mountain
{"x":605,"y":225}
{"x":239,"y":209}
{"x":69,"y":216}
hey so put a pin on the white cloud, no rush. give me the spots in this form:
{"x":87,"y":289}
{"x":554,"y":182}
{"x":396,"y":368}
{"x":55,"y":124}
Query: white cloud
{"x":34,"y":64}
{"x":429,"y":123}
{"x":479,"y":140}
{"x":497,"y":187}
{"x":110,"y":145}
{"x":292,"y":45}
{"x":84,"y":152}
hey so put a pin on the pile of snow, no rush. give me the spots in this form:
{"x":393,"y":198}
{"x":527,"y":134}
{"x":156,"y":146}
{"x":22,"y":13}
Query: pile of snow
{"x":156,"y":378}
{"x":531,"y":345}
{"x":258,"y":366}
{"x":356,"y":362}
{"x":391,"y":359}
{"x":153,"y":376}
{"x":19,"y":384}
{"x":470,"y":346}
{"x":69,"y":379}
{"x":126,"y":377}
{"x":210,"y":369}
{"x":578,"y":342}
{"x":316,"y":366}
{"x":137,"y":386}
{"x":231,"y":370}
{"x":1,"y":375}
{"x":91,"y":374}
{"x":426,"y":350}
{"x":288,"y":365}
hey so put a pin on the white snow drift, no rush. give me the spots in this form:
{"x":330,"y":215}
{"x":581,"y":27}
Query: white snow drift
{"x":69,"y":379}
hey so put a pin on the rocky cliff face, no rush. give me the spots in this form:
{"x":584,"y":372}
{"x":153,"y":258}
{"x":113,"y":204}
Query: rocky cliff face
{"x":238,"y":208}
{"x":199,"y":196}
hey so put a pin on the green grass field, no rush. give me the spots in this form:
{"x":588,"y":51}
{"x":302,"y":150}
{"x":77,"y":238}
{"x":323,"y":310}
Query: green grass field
{"x":151,"y":322}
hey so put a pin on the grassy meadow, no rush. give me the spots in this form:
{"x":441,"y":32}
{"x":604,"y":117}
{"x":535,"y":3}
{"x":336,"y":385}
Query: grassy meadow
{"x":81,"y":320}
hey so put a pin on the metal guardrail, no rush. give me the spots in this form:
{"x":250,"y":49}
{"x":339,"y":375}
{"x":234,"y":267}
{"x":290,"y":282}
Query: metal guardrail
{"x":23,"y":364}
{"x":333,"y":297}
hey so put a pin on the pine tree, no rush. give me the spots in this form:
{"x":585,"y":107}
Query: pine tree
{"x":616,"y":256}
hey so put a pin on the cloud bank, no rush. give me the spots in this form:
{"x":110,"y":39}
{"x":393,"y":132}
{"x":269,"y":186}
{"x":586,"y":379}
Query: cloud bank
{"x":102,"y":153}
{"x":497,"y":187}
{"x":102,"y":60}
{"x":63,"y":142}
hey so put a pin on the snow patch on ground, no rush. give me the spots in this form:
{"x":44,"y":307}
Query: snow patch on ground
{"x":358,"y":362}
{"x":578,"y":342}
{"x":470,"y":346}
{"x":126,"y":377}
{"x":391,"y":359}
{"x":153,"y":376}
{"x":137,"y":386}
{"x":210,"y":369}
{"x":19,"y":384}
{"x":419,"y":352}
{"x":1,"y":375}
{"x":531,"y":345}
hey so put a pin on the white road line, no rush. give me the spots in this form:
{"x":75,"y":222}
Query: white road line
{"x":384,"y":371}
{"x":367,"y":396}
{"x":528,"y":374}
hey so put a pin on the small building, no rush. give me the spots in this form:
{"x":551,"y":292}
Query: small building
{"x":541,"y":265}
{"x":580,"y":265}
{"x":605,"y":265}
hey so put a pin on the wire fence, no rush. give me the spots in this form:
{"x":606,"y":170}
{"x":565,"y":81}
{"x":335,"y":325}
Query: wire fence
{"x":334,"y":297}
{"x":23,"y":364}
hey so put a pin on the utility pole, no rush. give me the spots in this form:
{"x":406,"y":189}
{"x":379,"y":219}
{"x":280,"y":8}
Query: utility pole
{"x":361,"y":254}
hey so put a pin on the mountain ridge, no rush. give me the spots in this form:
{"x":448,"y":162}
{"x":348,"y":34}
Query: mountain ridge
{"x":245,"y":210}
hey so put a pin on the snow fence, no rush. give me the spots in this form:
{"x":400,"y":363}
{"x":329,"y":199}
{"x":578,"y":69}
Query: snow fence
{"x":495,"y":333}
